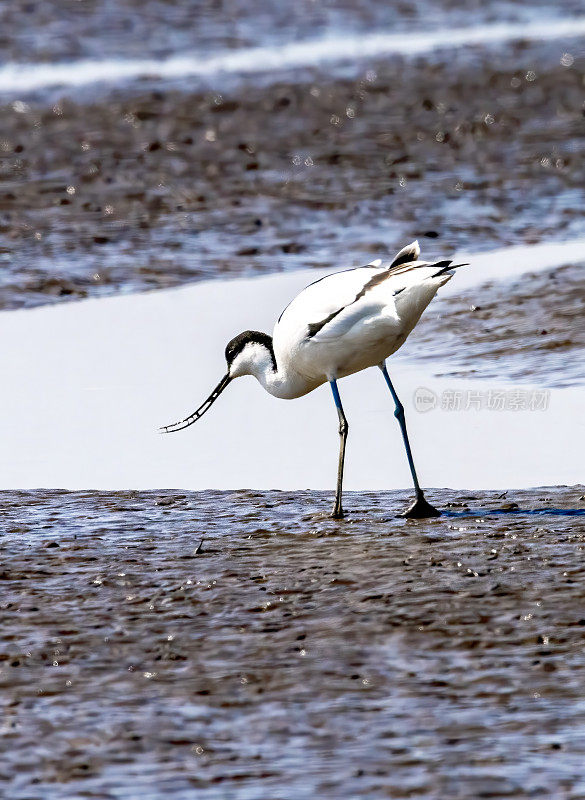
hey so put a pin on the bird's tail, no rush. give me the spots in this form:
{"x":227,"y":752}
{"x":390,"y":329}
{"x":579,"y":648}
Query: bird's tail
{"x":443,"y":267}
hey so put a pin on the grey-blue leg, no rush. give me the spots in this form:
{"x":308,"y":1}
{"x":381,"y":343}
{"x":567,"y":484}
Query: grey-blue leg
{"x":420,"y":508}
{"x":343,"y":429}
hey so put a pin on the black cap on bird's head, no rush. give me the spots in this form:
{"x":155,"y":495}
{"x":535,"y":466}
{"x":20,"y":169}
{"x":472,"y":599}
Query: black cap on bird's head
{"x":233,"y":349}
{"x":239,"y":342}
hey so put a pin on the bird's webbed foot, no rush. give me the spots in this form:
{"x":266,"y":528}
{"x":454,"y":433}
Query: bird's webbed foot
{"x":420,"y":508}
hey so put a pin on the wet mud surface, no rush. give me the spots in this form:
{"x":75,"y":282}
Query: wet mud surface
{"x":527,"y":330}
{"x":292,"y":656}
{"x":64,"y":30}
{"x":155,"y":185}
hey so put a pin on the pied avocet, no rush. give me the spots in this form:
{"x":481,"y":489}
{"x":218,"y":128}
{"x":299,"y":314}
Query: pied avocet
{"x":338,"y":325}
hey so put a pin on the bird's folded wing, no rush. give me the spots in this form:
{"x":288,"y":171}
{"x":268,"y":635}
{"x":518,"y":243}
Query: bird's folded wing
{"x":366,"y":311}
{"x":327,"y":295}
{"x":334,"y":297}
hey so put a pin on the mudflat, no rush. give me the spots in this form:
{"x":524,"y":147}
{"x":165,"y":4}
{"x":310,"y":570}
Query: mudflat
{"x":290,"y":655}
{"x":158,"y":183}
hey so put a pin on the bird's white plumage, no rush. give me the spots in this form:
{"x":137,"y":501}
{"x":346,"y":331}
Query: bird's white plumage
{"x":354,"y":319}
{"x":336,"y":326}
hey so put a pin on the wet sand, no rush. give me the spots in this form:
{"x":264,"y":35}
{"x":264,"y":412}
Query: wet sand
{"x":293,"y":656}
{"x":154,"y":185}
{"x":525,"y":329}
{"x":48,"y":32}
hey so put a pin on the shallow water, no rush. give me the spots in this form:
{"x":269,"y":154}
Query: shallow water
{"x":87,"y":385}
{"x":348,"y":50}
{"x":294,"y":656}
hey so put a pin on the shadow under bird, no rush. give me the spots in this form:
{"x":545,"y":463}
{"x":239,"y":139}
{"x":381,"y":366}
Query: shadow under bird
{"x":340,"y":324}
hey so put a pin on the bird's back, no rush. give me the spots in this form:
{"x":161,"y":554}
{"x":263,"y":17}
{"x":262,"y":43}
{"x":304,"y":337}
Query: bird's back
{"x":326,"y":296}
{"x":352,"y":319}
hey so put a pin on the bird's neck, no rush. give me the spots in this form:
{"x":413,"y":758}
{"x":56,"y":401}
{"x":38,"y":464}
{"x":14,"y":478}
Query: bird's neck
{"x":273,"y":375}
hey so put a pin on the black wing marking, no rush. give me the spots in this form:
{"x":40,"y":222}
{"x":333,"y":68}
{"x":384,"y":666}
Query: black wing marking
{"x":406,"y":255}
{"x":445,"y":266}
{"x":315,"y":327}
{"x":331,"y":275}
{"x":442,"y":266}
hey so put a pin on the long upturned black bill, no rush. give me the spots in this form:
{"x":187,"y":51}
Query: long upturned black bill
{"x":184,"y":423}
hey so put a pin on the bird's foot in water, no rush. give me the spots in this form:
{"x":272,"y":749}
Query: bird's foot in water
{"x":420,"y":508}
{"x":337,"y":513}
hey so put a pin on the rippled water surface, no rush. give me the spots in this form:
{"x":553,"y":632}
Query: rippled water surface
{"x":291,"y":655}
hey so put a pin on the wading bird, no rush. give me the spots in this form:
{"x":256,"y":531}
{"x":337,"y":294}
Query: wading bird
{"x":338,"y":325}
